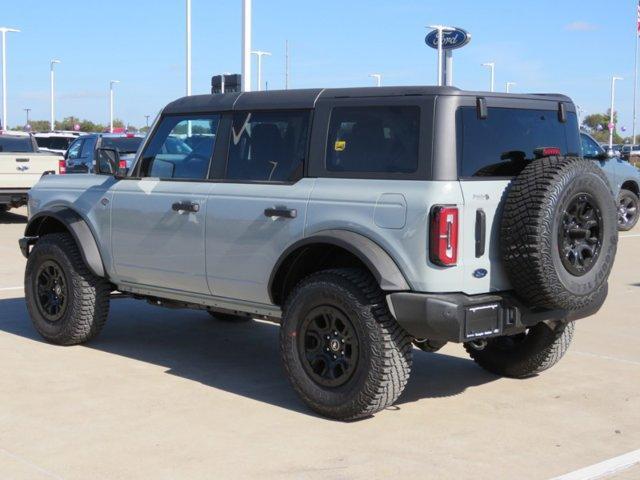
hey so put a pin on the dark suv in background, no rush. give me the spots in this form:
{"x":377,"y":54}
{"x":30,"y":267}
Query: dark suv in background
{"x":80,"y":156}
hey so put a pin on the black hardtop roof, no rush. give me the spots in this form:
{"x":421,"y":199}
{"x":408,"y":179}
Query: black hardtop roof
{"x":307,"y":98}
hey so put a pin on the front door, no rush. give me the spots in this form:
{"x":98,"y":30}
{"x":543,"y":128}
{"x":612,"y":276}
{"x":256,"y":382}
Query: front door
{"x":158,"y":217}
{"x":259,"y":207}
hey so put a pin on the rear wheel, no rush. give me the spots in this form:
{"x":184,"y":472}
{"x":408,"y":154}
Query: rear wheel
{"x":525,"y":354}
{"x":68,"y":305}
{"x":342,"y":350}
{"x":627,"y":210}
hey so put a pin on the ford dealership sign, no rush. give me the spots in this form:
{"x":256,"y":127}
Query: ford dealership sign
{"x":450,"y":40}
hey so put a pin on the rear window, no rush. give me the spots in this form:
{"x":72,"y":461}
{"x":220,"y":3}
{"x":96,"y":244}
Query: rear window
{"x":15,"y":144}
{"x":503,"y":143}
{"x":373,"y":139}
{"x":122,"y":144}
{"x":54,"y":143}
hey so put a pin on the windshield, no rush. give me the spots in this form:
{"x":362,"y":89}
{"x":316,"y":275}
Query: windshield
{"x":15,"y":144}
{"x":122,"y":144}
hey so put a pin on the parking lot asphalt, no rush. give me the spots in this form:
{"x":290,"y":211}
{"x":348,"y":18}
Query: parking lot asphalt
{"x":175,"y":394}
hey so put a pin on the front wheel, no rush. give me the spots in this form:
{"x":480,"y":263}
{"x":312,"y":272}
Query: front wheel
{"x":627,"y":210}
{"x":343,"y":352}
{"x":524,"y":354}
{"x":68,"y":305}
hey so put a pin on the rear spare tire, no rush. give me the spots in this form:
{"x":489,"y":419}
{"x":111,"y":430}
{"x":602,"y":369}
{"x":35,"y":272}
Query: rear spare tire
{"x":559,"y":233}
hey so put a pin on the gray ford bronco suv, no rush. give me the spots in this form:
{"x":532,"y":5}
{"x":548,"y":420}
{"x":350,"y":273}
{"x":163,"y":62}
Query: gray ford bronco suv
{"x":364,"y":221}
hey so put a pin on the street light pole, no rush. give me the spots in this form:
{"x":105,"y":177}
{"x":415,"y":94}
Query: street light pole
{"x":3,"y":121}
{"x":27,"y":110}
{"x":612,"y":125}
{"x":378,"y":78}
{"x":508,"y":86}
{"x":188,"y":48}
{"x":111,"y":84}
{"x":260,"y":54}
{"x":246,"y":45}
{"x":492,"y":66}
{"x":441,"y":29}
{"x":53,"y":95}
{"x":286,"y":64}
{"x":147,"y":120}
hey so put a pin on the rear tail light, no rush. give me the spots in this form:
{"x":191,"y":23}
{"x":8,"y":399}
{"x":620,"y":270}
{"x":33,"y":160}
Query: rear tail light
{"x":443,"y":236}
{"x":122,"y":164}
{"x":62,"y":167}
{"x":547,"y":152}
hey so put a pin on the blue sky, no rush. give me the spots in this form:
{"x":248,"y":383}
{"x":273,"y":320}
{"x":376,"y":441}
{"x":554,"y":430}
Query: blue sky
{"x":565,"y":46}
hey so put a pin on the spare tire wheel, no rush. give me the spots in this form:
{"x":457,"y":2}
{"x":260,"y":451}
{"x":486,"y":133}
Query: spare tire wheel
{"x":559,"y":233}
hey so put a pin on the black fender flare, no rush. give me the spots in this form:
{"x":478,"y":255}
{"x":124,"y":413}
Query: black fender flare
{"x":377,"y":260}
{"x":79,"y":230}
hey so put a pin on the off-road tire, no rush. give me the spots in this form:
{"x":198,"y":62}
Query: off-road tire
{"x":532,"y":220}
{"x":385,"y":350}
{"x":87,"y":305}
{"x":524,"y":355}
{"x":627,"y":197}
{"x":229,"y":317}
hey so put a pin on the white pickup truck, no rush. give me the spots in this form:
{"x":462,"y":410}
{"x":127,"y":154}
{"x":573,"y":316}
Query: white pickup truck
{"x":21,"y":166}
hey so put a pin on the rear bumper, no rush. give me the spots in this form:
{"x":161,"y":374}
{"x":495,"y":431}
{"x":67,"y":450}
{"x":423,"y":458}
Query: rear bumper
{"x":15,"y":197}
{"x":457,"y":317}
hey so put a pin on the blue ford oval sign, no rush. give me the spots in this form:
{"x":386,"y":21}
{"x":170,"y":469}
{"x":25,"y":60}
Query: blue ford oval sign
{"x":480,"y":273}
{"x":450,"y":40}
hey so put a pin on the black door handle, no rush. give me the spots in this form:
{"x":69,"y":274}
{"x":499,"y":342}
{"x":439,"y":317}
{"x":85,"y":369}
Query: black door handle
{"x":185,"y":207}
{"x":282,"y":212}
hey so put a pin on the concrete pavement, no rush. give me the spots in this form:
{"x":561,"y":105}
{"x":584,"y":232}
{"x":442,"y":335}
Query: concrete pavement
{"x":173,"y":394}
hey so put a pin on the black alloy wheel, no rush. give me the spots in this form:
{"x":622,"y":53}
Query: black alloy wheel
{"x":328,"y":346}
{"x":52,"y":291}
{"x":580,"y":235}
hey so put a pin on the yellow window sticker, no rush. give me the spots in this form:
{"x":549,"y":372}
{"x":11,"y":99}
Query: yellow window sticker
{"x":340,"y":145}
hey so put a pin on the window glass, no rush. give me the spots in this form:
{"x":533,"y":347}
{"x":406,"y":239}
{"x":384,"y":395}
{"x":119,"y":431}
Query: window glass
{"x":15,"y":144}
{"x":590,"y":148}
{"x":181,"y":148}
{"x":503,"y":143}
{"x":74,"y":149}
{"x":268,"y":146}
{"x":373,"y":139}
{"x":87,"y":147}
{"x":124,"y":145}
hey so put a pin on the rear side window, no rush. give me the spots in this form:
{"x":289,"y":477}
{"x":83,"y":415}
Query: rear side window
{"x":373,"y":139}
{"x":503,"y":143}
{"x":268,"y":146}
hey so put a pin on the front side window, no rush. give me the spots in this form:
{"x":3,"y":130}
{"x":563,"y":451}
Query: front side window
{"x":373,"y":139}
{"x":590,"y":148}
{"x":181,"y":148}
{"x":74,"y":150}
{"x":268,"y":146}
{"x":502,"y":144}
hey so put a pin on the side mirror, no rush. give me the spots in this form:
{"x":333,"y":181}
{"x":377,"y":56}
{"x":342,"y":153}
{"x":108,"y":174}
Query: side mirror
{"x":611,"y":154}
{"x":108,"y":163}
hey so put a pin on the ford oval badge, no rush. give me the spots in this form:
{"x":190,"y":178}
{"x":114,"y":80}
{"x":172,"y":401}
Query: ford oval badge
{"x":452,"y":39}
{"x":480,"y":273}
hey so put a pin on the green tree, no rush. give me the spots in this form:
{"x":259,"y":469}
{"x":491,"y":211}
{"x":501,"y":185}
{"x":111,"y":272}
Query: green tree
{"x":597,"y":125}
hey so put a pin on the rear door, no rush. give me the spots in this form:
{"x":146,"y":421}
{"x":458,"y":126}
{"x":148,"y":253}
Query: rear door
{"x":258,"y":208}
{"x":491,"y":152}
{"x":158,"y":217}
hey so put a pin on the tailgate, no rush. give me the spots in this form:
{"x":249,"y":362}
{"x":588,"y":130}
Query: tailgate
{"x":23,"y":170}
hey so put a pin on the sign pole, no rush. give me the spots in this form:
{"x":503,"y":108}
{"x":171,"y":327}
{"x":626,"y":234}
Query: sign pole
{"x":448,"y":68}
{"x":635,"y":85}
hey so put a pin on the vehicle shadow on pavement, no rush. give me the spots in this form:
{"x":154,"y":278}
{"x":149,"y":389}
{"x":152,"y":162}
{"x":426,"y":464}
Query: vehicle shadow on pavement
{"x":241,"y":358}
{"x":9,"y":217}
